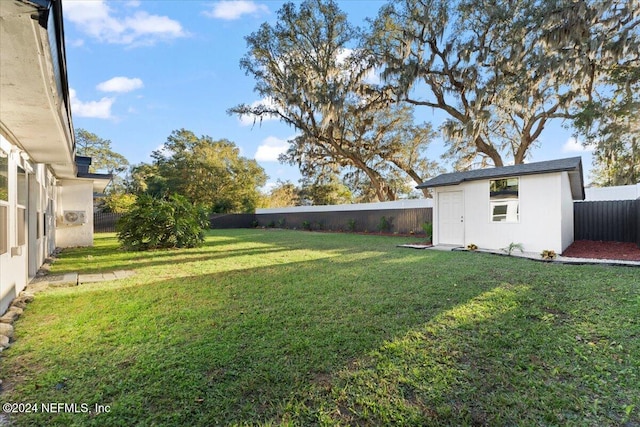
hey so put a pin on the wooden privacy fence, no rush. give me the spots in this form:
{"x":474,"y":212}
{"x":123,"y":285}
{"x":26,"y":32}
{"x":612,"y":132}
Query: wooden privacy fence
{"x":615,"y":221}
{"x":397,"y":220}
{"x":104,"y":222}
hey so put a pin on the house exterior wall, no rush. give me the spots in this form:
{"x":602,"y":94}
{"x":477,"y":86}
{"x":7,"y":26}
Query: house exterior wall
{"x":74,"y":195}
{"x":545,"y":214}
{"x":30,"y":228}
{"x":37,"y":148}
{"x":13,"y":260}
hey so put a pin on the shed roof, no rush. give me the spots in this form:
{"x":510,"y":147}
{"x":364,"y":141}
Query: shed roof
{"x":573,"y":165}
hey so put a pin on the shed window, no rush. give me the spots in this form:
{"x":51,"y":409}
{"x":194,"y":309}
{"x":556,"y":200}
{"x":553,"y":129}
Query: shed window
{"x":504,"y":200}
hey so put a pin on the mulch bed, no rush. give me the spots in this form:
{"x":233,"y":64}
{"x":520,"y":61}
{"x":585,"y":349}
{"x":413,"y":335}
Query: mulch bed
{"x":603,"y":250}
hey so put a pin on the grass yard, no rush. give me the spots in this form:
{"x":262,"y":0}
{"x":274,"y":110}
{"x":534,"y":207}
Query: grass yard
{"x":278,"y":327}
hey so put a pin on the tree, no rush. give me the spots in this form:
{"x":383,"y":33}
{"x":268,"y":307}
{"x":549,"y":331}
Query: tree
{"x":327,"y":192}
{"x":499,"y":69}
{"x":610,"y":122}
{"x":309,"y":78}
{"x":284,"y":194}
{"x":205,"y":171}
{"x":117,"y":202}
{"x":103,"y":158}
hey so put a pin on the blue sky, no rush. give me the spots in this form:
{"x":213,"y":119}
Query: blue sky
{"x":141,"y":69}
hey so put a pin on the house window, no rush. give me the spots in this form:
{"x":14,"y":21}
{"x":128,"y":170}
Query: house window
{"x":4,"y":177}
{"x":22,"y":187}
{"x":503,"y":199}
{"x":4,"y":226}
{"x":22,"y":226}
{"x":4,"y":197}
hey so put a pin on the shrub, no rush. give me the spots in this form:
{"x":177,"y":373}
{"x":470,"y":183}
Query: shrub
{"x":428,"y":230}
{"x":118,"y":203}
{"x":548,"y":254}
{"x":306,"y":225}
{"x":154,"y":223}
{"x":385,"y":224}
{"x":351,"y":225}
{"x":512,"y":247}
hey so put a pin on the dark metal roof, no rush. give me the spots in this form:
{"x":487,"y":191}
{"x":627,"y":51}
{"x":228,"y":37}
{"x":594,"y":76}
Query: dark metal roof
{"x":573,"y":165}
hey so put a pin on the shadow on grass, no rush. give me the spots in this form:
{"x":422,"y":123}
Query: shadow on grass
{"x":228,"y":347}
{"x":361,"y":335}
{"x":107,"y":256}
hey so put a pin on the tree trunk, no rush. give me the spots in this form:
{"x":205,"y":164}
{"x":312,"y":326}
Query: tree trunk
{"x":490,"y":151}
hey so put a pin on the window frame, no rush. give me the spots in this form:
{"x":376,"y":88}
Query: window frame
{"x":507,"y":201}
{"x":4,"y":205}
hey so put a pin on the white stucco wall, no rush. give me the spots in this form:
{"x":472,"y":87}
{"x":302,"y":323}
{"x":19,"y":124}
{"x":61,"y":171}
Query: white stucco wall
{"x":546,"y":214}
{"x":13,"y":263}
{"x":74,"y":195}
{"x":567,"y":212}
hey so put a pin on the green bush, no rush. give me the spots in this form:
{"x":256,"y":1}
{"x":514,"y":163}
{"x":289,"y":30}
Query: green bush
{"x":385,"y":224}
{"x":428,"y":230}
{"x":154,"y":223}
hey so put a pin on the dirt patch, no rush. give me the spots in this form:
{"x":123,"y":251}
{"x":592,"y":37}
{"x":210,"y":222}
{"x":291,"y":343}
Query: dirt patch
{"x":603,"y":250}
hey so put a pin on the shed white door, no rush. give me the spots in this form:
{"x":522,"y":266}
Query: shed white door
{"x":450,"y":218}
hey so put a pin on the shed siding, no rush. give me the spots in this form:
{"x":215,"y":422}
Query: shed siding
{"x":545,"y":214}
{"x":567,"y":213}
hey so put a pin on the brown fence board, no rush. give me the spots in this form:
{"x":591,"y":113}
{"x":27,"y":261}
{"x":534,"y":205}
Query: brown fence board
{"x":402,"y":220}
{"x":104,"y":222}
{"x":232,"y":220}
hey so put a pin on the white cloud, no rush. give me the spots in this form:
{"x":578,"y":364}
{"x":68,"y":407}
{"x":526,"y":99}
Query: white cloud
{"x":266,"y":189}
{"x":270,"y":149}
{"x":573,"y":145}
{"x":249,"y":120}
{"x":97,"y":19}
{"x":230,"y":9}
{"x":94,"y":109}
{"x":162,"y":150}
{"x":120,"y":85}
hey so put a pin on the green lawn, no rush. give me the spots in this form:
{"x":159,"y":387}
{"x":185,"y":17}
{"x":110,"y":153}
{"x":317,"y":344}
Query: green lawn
{"x":283,"y":327}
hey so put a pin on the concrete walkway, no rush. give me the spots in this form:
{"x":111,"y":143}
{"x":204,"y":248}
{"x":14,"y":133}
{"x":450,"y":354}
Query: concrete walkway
{"x":75,"y":279}
{"x":535,"y":256}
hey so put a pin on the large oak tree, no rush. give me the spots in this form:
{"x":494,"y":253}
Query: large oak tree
{"x":501,"y":69}
{"x":308,"y":77}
